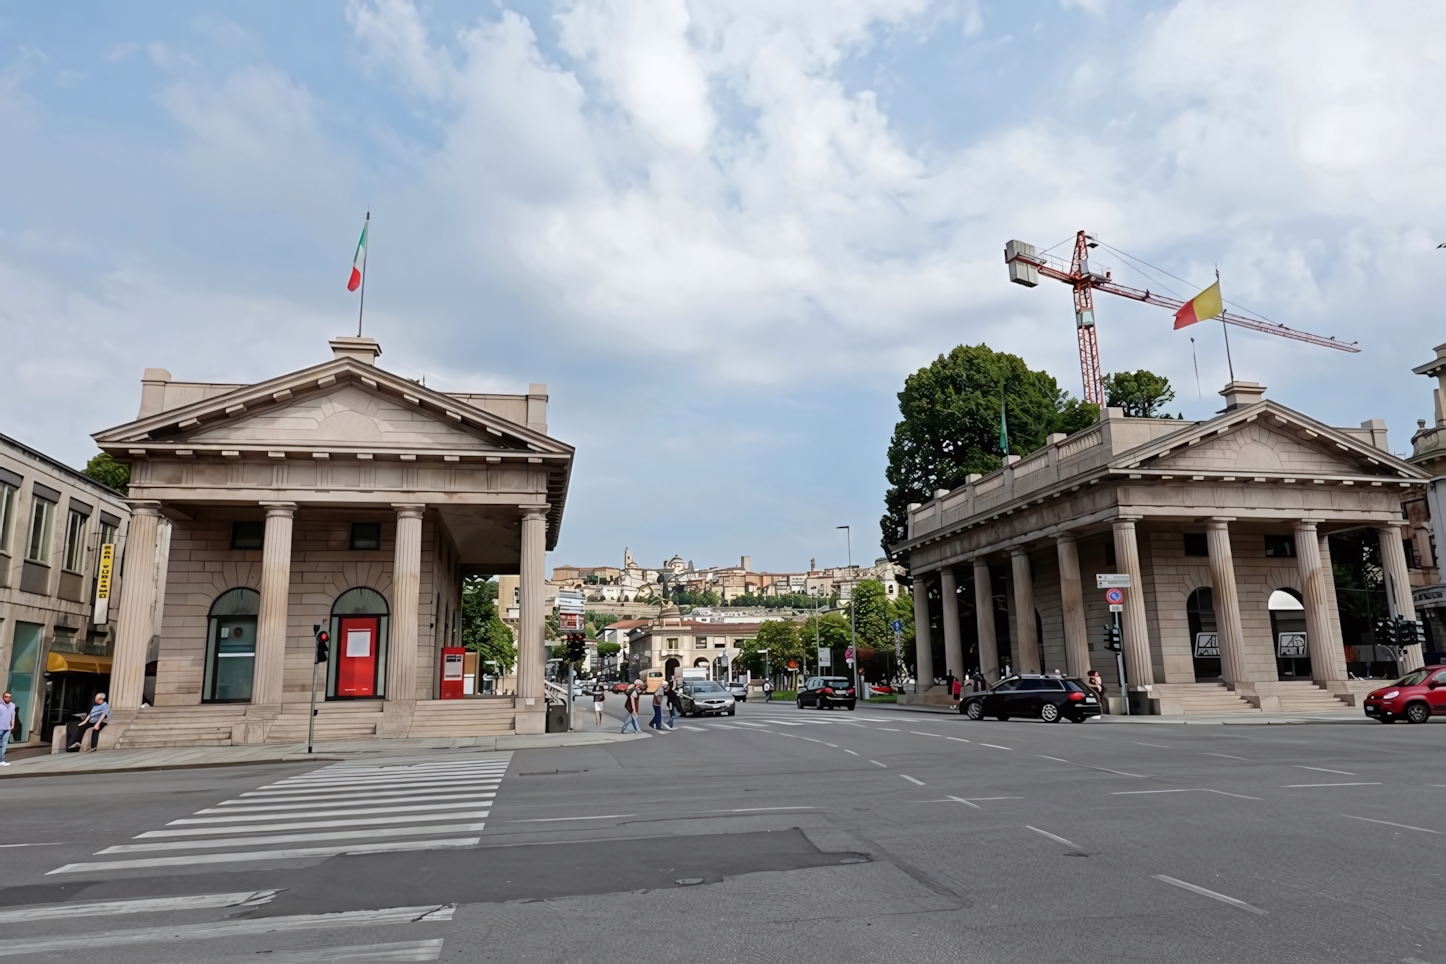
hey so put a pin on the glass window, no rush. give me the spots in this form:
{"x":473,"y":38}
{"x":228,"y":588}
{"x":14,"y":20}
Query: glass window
{"x":231,"y":647}
{"x":701,"y":642}
{"x":75,"y":541}
{"x":107,"y":534}
{"x":248,"y":535}
{"x":1280,"y":546}
{"x":64,"y":641}
{"x":42,"y":528}
{"x":672,"y":643}
{"x":366,"y":535}
{"x":1196,"y":544}
{"x":7,"y":514}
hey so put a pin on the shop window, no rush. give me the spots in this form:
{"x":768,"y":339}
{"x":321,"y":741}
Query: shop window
{"x":366,"y":535}
{"x":231,"y":647}
{"x":1280,"y":546}
{"x":42,"y":526}
{"x":1196,"y":544}
{"x":74,"y":541}
{"x":8,"y":493}
{"x":248,"y":535}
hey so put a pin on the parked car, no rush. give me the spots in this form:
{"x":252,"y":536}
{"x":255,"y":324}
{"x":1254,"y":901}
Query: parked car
{"x":1047,"y":698}
{"x":826,"y":691}
{"x":621,"y":686}
{"x":1415,"y":697}
{"x":738,"y":688}
{"x":701,"y":697}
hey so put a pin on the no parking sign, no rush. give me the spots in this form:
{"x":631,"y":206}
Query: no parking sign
{"x":1115,"y":596}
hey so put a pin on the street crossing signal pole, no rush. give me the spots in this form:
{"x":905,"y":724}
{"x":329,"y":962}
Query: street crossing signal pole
{"x":323,"y":653}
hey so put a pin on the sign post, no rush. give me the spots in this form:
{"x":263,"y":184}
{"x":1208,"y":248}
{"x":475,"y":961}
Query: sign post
{"x":1115,"y":597}
{"x":825,"y":658}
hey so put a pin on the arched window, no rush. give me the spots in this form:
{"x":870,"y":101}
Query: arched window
{"x":1204,"y":638}
{"x":231,"y":647}
{"x":1287,"y":629}
{"x":357,"y":668}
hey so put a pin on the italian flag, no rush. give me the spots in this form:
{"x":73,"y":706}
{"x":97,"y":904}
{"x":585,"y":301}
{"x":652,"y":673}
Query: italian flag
{"x":1206,"y":304}
{"x":359,"y":261}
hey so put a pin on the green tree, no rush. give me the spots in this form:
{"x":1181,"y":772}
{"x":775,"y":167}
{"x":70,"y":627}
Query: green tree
{"x":870,"y":610}
{"x":608,"y":649}
{"x":780,"y":637}
{"x":107,"y":471}
{"x":483,"y":631}
{"x":950,"y":424}
{"x":1141,"y":394}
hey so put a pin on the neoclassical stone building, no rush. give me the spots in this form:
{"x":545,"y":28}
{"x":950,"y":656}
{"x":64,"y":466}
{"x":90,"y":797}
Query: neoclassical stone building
{"x":1225,"y":528}
{"x":343,"y":496}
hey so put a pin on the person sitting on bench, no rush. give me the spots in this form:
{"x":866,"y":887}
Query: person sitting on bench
{"x":95,"y":722}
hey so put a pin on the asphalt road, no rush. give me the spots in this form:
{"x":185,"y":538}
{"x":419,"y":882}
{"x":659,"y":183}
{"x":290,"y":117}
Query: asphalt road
{"x":777,"y":834}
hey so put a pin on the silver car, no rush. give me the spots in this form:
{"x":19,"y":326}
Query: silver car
{"x":702,"y":697}
{"x":739,"y":689}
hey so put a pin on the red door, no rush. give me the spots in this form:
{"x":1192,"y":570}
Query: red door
{"x":356,"y":668}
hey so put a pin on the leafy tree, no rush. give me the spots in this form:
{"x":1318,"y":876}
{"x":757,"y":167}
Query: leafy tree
{"x":781,"y":639}
{"x":686,"y":597}
{"x":796,"y":600}
{"x":602,"y":620}
{"x":608,"y":649}
{"x":950,"y":424}
{"x":483,"y":631}
{"x":553,"y":628}
{"x":107,"y":471}
{"x":871,"y":614}
{"x":1141,"y":394}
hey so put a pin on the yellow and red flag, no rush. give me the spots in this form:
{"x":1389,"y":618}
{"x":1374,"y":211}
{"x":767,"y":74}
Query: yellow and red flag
{"x":1206,"y":304}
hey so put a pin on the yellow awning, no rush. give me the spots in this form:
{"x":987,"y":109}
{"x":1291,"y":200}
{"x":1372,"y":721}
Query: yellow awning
{"x":73,"y":663}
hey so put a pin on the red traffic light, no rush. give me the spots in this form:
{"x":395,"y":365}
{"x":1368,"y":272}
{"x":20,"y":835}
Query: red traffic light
{"x":323,"y":637}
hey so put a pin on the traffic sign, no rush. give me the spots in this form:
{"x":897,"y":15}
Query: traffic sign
{"x":1115,"y":596}
{"x":849,"y":654}
{"x":825,"y":658}
{"x":897,"y":625}
{"x":1112,"y":580}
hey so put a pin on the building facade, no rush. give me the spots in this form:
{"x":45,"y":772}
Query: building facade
{"x":1226,"y":529}
{"x":340,"y":496}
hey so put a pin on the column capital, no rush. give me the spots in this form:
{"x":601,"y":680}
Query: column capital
{"x":1220,"y":521}
{"x":1393,"y":524}
{"x":1126,"y":521}
{"x":409,"y":510}
{"x":1018,"y":551}
{"x":1064,"y":537}
{"x":1306,"y":525}
{"x":287,"y":509}
{"x":534,"y":511}
{"x":145,"y":508}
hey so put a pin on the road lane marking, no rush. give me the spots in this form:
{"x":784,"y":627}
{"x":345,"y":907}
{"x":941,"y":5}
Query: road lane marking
{"x":958,"y":739}
{"x":400,"y":951}
{"x":1344,"y":773}
{"x":1403,"y":826}
{"x":725,"y":726}
{"x":755,"y":809}
{"x":834,"y":745}
{"x":1298,"y":786}
{"x":741,"y":723}
{"x":1158,"y":746}
{"x":602,"y":816}
{"x":1067,"y":843}
{"x":878,"y":764}
{"x":142,"y":905}
{"x":1125,"y":793}
{"x":888,"y":728}
{"x":229,"y":929}
{"x":316,"y":825}
{"x":1088,"y":767}
{"x":279,"y":808}
{"x":349,"y":793}
{"x":1197,"y":889}
{"x":1229,"y":757}
{"x":695,"y":729}
{"x":292,"y":838}
{"x":912,"y":780}
{"x":919,"y":733}
{"x":249,"y":856}
{"x":996,"y":746}
{"x":967,"y":803}
{"x":851,"y":752}
{"x":334,"y":813}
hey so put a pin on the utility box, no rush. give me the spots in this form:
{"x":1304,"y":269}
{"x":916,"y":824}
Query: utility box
{"x":1020,"y":272}
{"x":453,"y":680}
{"x":556,"y":718}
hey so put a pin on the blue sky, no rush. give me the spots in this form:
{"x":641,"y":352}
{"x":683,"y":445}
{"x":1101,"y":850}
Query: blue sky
{"x":722,"y":232}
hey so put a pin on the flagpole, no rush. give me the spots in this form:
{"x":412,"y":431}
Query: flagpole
{"x":1224,"y":328}
{"x":366,"y":249}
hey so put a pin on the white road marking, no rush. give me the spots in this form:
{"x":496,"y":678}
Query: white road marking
{"x":851,"y":752}
{"x":996,"y":746}
{"x":1197,"y":889}
{"x":958,"y":739}
{"x":293,"y":838}
{"x":389,"y":789}
{"x":601,"y":816}
{"x":888,"y":728}
{"x":724,"y":726}
{"x":142,"y":905}
{"x":248,"y":856}
{"x":1344,"y":773}
{"x":336,"y":813}
{"x":756,"y":809}
{"x":1058,"y":839}
{"x":834,"y":745}
{"x":912,"y":780}
{"x":1087,"y":766}
{"x":919,"y":733}
{"x":1228,"y":756}
{"x":1403,"y":826}
{"x":1159,"y":746}
{"x":741,"y":723}
{"x":966,"y":803}
{"x":316,"y":825}
{"x":695,"y":729}
{"x":369,"y":953}
{"x":228,"y":929}
{"x":878,"y":764}
{"x":1125,"y":793}
{"x":1297,"y":786}
{"x":278,"y":809}
{"x":998,"y":798}
{"x":55,"y":843}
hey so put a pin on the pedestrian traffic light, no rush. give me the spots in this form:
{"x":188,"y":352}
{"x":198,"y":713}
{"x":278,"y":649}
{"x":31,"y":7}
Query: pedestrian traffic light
{"x":576,"y":648}
{"x":323,"y":644}
{"x":1114,"y":641}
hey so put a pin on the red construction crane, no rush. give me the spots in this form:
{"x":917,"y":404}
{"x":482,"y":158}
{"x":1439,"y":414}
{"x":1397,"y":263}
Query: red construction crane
{"x":1025,"y":267}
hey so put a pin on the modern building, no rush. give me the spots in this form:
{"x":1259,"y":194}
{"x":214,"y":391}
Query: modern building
{"x":55,"y":643}
{"x":338,"y":496}
{"x":1260,"y":546}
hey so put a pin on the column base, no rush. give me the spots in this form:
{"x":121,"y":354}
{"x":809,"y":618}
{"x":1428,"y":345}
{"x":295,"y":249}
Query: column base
{"x":396,"y":721}
{"x":530,"y":720}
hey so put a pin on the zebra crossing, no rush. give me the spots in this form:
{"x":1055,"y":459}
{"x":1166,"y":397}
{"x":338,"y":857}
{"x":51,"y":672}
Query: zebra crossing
{"x":345,"y":808}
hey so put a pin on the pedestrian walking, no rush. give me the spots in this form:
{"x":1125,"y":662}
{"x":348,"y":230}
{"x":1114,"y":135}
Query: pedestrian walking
{"x":7,"y":725}
{"x":768,"y":691}
{"x":956,"y":688}
{"x":659,"y":697}
{"x":95,"y":722}
{"x":980,"y":683}
{"x":630,"y":707}
{"x":1095,"y":683}
{"x":675,"y":706}
{"x":599,"y":699}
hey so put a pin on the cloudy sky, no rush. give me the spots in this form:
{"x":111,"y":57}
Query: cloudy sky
{"x":722,"y":231}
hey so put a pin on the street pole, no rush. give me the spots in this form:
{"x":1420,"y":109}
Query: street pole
{"x":853,"y":633}
{"x":571,"y":673}
{"x":311,"y":720}
{"x":1120,"y":667}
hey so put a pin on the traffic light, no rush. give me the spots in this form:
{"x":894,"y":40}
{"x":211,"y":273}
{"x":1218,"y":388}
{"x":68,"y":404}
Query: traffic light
{"x":323,"y":644}
{"x":576,"y":650}
{"x":1114,"y":640}
{"x":1400,"y":632}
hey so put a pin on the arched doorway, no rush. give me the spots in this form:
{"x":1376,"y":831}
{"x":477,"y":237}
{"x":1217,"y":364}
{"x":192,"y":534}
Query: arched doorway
{"x":231,"y":647}
{"x":1287,"y":628}
{"x":358,"y":665}
{"x":670,"y":668}
{"x":703,"y":662}
{"x":1204,"y":636}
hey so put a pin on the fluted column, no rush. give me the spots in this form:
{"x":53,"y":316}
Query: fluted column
{"x":1327,"y":658}
{"x":269,"y":674}
{"x":1398,"y":589}
{"x":1233,"y":665}
{"x":1071,"y":596}
{"x":532,"y":641}
{"x":134,"y":624}
{"x":984,"y":620}
{"x":1136,"y":631}
{"x":406,"y":587}
{"x":953,"y":649}
{"x":1026,"y":622}
{"x":923,"y":645}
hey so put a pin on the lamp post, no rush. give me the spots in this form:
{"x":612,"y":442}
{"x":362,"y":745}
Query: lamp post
{"x":853,"y":632}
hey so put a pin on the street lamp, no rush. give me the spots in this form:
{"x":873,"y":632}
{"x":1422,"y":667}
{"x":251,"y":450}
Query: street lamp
{"x":853,"y":633}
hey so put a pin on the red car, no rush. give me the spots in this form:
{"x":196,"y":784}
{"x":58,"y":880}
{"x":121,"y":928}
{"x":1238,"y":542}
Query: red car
{"x":1414,"y":697}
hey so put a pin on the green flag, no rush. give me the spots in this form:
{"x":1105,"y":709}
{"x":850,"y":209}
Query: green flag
{"x":1003,"y":429}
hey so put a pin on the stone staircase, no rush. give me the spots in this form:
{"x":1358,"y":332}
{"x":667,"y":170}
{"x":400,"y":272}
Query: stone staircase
{"x":334,"y":721}
{"x":182,"y":726}
{"x":1199,"y":699}
{"x":491,"y":716}
{"x":1305,"y":697}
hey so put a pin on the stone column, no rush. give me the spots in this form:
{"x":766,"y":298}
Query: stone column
{"x":923,"y":645}
{"x":532,"y":629}
{"x":134,"y":623}
{"x":1398,"y":589}
{"x":1327,"y":658}
{"x":1137,"y":634}
{"x":984,"y":620}
{"x":270,"y":667}
{"x":406,"y":586}
{"x":953,"y":649}
{"x":1026,"y":624}
{"x":1071,"y":596}
{"x":1233,"y":665}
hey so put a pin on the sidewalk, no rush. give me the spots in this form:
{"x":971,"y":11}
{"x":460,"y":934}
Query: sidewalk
{"x":1345,"y":714}
{"x":173,"y":758}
